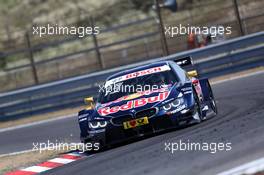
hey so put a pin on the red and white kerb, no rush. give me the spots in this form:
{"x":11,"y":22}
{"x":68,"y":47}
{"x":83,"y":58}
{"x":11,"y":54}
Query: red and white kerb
{"x":48,"y":165}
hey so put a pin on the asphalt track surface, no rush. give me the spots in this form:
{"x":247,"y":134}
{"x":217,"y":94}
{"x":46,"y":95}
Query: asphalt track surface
{"x":240,"y":122}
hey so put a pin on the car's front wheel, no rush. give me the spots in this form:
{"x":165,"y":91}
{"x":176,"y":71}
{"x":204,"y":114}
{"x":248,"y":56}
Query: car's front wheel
{"x":212,"y":99}
{"x":197,"y":107}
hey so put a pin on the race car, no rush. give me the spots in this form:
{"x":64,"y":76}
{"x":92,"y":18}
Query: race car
{"x":145,"y":100}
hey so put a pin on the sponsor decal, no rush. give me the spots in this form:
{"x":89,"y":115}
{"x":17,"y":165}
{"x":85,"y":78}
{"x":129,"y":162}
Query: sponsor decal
{"x":96,"y":131}
{"x":83,"y":119}
{"x":133,"y":104}
{"x":135,"y":123}
{"x":137,"y":95}
{"x":177,"y":109}
{"x":167,"y":101}
{"x":187,"y":89}
{"x":138,"y":74}
{"x":98,"y":118}
{"x":187,"y":92}
{"x":82,"y":116}
{"x":133,"y":96}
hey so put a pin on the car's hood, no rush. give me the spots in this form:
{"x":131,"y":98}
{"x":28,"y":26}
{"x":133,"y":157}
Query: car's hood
{"x":137,"y":102}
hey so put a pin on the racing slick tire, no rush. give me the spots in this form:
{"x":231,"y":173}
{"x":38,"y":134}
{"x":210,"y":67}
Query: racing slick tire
{"x":212,"y":99}
{"x":199,"y":118}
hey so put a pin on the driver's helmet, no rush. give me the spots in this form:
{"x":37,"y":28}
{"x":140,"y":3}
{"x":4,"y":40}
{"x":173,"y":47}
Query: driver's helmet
{"x":158,"y":79}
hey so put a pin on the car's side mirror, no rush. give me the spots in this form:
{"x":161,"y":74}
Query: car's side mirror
{"x":89,"y":101}
{"x":192,"y":73}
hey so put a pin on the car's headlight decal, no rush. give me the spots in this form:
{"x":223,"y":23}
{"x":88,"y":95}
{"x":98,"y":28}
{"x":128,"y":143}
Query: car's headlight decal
{"x":174,"y":104}
{"x":177,"y":102}
{"x":97,"y":124}
{"x":167,"y":107}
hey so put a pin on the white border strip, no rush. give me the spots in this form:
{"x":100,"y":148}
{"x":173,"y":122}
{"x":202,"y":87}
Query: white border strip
{"x":61,"y":160}
{"x":16,"y":153}
{"x":37,"y":123}
{"x":248,"y":168}
{"x":36,"y":169}
{"x":32,"y":150}
{"x":238,"y":77}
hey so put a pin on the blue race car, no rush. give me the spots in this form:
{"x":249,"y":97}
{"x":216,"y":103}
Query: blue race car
{"x":146,"y":100}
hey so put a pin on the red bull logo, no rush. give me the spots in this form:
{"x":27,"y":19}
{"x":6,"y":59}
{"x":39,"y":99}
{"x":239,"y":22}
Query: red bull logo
{"x":133,"y":104}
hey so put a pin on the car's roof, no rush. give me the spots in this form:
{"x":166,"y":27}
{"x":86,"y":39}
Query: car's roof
{"x":151,"y":65}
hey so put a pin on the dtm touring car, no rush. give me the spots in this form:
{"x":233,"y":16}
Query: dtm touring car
{"x":179,"y":97}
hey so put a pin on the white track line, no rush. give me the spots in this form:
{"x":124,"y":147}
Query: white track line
{"x":248,"y":168}
{"x":61,"y":160}
{"x":16,"y":153}
{"x":37,"y":123}
{"x":39,"y":151}
{"x":238,"y":77}
{"x":74,"y":154}
{"x":36,"y":169}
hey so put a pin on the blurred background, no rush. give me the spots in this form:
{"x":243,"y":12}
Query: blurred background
{"x":129,"y":32}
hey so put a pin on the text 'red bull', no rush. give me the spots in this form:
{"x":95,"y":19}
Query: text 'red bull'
{"x":133,"y":104}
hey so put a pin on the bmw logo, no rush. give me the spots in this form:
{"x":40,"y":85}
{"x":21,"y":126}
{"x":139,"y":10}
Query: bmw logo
{"x":133,"y":111}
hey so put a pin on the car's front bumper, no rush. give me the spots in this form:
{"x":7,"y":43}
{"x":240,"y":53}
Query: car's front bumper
{"x":115,"y":134}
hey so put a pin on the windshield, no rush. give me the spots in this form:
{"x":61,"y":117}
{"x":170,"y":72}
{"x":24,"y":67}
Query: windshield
{"x":149,"y":82}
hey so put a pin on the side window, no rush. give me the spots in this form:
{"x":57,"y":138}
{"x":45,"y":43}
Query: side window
{"x":187,"y":77}
{"x":174,"y":69}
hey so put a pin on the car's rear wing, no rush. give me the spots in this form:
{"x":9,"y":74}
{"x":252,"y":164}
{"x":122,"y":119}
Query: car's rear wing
{"x":187,"y":64}
{"x":184,"y":62}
